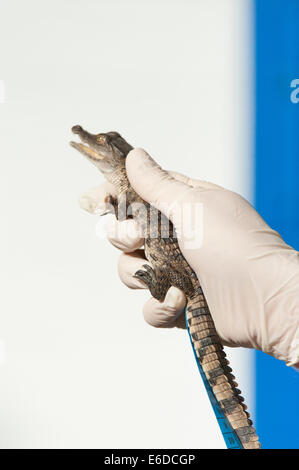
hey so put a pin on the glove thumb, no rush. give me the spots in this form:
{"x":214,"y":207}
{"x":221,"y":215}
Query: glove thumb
{"x":153,"y":184}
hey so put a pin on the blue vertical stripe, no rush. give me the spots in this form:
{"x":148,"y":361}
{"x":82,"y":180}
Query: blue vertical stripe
{"x":277,"y":194}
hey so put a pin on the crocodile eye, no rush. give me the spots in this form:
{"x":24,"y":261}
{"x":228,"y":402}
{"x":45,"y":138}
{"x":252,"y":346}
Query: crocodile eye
{"x":101,"y":139}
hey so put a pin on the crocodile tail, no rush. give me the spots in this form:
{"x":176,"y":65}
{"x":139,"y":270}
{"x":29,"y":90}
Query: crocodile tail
{"x":226,"y":399}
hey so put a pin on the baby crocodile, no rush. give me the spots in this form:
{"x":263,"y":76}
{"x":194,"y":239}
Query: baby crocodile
{"x":168,"y":267}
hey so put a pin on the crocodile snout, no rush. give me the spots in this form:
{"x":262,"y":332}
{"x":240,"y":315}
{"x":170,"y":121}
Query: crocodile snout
{"x":77,"y":129}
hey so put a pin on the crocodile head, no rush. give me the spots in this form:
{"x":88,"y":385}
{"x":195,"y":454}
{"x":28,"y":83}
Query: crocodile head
{"x":106,"y":151}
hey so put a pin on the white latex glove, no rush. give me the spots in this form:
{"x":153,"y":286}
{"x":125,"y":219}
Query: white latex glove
{"x":250,"y":277}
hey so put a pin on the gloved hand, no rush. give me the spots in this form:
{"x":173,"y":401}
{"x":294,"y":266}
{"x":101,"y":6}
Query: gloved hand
{"x":250,"y":277}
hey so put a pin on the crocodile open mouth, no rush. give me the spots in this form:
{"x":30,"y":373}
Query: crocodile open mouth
{"x":87,"y":151}
{"x":94,"y":147}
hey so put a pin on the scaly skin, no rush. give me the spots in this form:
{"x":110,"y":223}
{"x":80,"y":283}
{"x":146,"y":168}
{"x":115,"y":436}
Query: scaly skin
{"x":170,"y":268}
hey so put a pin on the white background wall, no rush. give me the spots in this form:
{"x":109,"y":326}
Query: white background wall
{"x":79,"y":366}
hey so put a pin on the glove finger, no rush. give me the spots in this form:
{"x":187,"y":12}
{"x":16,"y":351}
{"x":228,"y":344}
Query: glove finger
{"x":95,"y":200}
{"x":159,"y":188}
{"x":166,"y":314}
{"x":124,"y":235}
{"x":155,"y":185}
{"x":193,"y":183}
{"x":128,"y":264}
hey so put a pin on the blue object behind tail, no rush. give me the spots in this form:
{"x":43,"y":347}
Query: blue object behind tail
{"x":231,"y":439}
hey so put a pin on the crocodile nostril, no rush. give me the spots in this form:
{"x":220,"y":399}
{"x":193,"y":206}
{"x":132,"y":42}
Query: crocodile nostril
{"x":77,"y":129}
